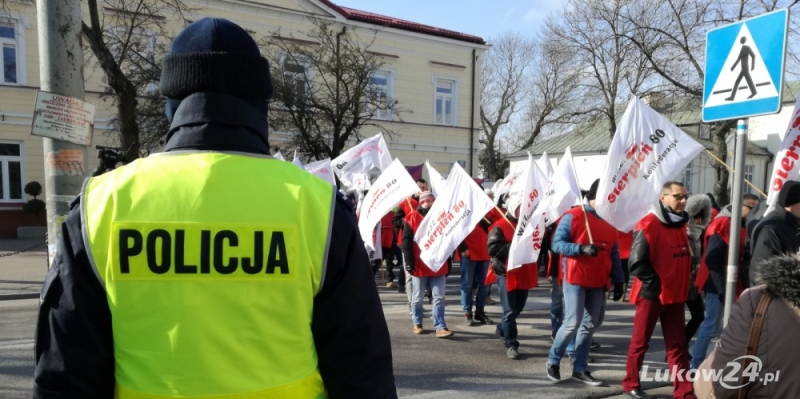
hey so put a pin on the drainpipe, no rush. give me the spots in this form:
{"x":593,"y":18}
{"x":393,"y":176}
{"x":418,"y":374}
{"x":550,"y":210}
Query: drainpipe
{"x":472,"y":118}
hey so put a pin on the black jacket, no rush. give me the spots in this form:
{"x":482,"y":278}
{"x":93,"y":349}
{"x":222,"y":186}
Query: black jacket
{"x":639,"y":261}
{"x":774,"y":235}
{"x":716,"y":257}
{"x":498,"y":249}
{"x":74,"y":351}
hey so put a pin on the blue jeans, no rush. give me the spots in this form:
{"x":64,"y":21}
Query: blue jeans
{"x":583,"y":314}
{"x":469,"y":270}
{"x":709,"y":329}
{"x":556,"y":307}
{"x":437,"y":290}
{"x":512,"y":303}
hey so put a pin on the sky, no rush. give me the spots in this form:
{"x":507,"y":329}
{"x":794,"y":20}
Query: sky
{"x":484,"y":18}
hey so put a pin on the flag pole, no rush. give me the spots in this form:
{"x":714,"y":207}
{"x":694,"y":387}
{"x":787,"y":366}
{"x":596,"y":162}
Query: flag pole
{"x":733,"y":171}
{"x":586,"y":220}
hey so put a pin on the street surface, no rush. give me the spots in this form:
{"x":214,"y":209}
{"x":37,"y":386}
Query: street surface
{"x":471,"y":364}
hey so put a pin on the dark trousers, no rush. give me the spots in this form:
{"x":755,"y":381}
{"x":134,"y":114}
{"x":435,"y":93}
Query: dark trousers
{"x":512,"y":303}
{"x":644,"y":322}
{"x":626,"y":273}
{"x":698,"y":314}
{"x":389,"y":257}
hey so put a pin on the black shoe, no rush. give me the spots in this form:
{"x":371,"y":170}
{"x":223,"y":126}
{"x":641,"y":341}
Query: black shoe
{"x":594,"y":345}
{"x":470,"y":320}
{"x":481,"y":317}
{"x":586,"y":378}
{"x":553,"y":372}
{"x":401,"y":289}
{"x":636,"y":394}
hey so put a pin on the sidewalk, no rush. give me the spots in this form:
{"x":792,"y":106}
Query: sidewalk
{"x":22,"y":274}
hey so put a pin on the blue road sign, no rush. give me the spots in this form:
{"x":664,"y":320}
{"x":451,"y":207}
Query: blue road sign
{"x":744,"y":67}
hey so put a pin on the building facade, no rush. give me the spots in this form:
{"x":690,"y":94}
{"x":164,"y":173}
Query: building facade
{"x":433,"y":73}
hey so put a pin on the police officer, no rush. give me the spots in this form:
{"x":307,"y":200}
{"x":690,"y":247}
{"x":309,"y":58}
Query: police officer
{"x":211,"y":269}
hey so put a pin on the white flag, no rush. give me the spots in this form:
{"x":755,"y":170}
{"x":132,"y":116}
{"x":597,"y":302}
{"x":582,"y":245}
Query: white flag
{"x":322,"y":169}
{"x":279,"y":156}
{"x":496,"y":187}
{"x":373,"y":247}
{"x":437,"y":181}
{"x":533,"y":192}
{"x":392,"y":187}
{"x":787,"y":167}
{"x":370,"y":153}
{"x":647,"y":151}
{"x":517,"y":169}
{"x":360,"y":183}
{"x":561,"y":194}
{"x":297,"y":160}
{"x":545,"y":165}
{"x":451,"y":218}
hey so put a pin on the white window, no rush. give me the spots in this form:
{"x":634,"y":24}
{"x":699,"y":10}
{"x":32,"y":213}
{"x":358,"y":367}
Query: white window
{"x":380,"y":91}
{"x":11,"y":173}
{"x":8,"y":56}
{"x":297,"y":76}
{"x":749,"y":171}
{"x":685,"y":177}
{"x":444,"y":101}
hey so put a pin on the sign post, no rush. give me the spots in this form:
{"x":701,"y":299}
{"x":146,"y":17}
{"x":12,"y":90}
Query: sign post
{"x":743,"y":78}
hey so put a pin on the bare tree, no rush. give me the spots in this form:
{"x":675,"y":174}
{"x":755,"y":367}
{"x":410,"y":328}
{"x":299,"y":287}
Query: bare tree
{"x":327,"y":89}
{"x":505,"y":87}
{"x":671,"y":35}
{"x":595,"y":31}
{"x":127,"y":39}
{"x":555,"y":92}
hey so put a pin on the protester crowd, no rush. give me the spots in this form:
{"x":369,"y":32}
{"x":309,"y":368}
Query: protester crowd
{"x":677,"y":255}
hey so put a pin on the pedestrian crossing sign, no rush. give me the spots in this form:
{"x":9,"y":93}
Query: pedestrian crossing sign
{"x":744,"y":67}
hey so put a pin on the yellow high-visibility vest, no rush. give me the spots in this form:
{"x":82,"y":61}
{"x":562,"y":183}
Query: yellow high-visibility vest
{"x":210,"y":262}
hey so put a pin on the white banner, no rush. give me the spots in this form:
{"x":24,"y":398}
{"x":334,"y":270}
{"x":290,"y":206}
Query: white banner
{"x":517,"y":169}
{"x":279,"y":156}
{"x":451,"y":218}
{"x":496,"y":187}
{"x":436,"y":179}
{"x":370,"y":153}
{"x":787,"y":167}
{"x":392,"y":187}
{"x":361,"y":182}
{"x":561,"y":194}
{"x":297,"y":160}
{"x":322,"y":169}
{"x":545,"y":165}
{"x":374,"y":249}
{"x":533,"y":192}
{"x":647,"y":151}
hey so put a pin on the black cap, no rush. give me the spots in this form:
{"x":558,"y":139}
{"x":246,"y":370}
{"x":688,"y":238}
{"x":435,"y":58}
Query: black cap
{"x":790,"y":193}
{"x":592,"y":193}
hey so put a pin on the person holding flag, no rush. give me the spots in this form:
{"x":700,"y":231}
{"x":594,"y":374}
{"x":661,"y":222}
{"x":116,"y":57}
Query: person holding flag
{"x":590,"y":255}
{"x":474,"y":265}
{"x":404,"y":209}
{"x":513,"y":284}
{"x":422,"y":275}
{"x":387,"y":244}
{"x":660,"y":261}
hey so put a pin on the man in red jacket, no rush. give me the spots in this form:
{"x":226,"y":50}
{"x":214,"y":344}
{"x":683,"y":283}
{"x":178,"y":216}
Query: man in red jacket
{"x":422,"y":274}
{"x":513,"y":284}
{"x":405,"y":208}
{"x":660,"y":261}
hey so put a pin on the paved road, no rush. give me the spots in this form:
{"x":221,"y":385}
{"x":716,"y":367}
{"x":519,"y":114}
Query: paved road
{"x":472,"y":364}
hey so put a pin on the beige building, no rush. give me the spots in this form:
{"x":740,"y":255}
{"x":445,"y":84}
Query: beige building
{"x":433,"y":73}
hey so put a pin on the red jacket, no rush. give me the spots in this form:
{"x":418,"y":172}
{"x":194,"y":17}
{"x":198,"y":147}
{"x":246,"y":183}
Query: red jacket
{"x":524,"y":277}
{"x":420,"y":268}
{"x":584,"y":270}
{"x":387,"y":232}
{"x":625,"y":241}
{"x":408,"y":206}
{"x":660,"y":255}
{"x":476,"y":244}
{"x":722,"y":227}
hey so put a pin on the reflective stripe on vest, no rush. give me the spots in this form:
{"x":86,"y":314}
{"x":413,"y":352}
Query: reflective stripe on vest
{"x":210,"y":262}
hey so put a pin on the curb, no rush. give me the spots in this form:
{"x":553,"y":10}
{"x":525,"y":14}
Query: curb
{"x":14,"y":297}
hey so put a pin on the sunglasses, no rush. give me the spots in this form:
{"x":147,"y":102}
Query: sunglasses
{"x":679,"y":197}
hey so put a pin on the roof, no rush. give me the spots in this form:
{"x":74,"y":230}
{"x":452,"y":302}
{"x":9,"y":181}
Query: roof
{"x":377,"y":19}
{"x":592,"y":137}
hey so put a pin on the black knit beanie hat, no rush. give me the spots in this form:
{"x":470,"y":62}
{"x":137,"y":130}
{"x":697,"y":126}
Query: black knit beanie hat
{"x":215,"y":55}
{"x":592,"y":193}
